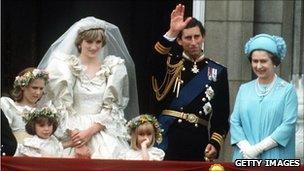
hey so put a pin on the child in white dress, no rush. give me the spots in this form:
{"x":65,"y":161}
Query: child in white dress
{"x":27,"y":92}
{"x":144,"y":131}
{"x":41,"y":123}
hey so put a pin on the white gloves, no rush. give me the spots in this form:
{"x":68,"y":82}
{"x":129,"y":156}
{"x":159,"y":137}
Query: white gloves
{"x":252,"y":151}
{"x":244,"y":146}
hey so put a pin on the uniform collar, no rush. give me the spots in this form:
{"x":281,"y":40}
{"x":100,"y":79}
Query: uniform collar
{"x":190,"y":59}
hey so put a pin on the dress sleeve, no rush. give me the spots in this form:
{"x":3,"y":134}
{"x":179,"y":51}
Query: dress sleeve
{"x":28,"y":151}
{"x":284,"y":132}
{"x":236,"y":129}
{"x":156,"y":154}
{"x":115,"y":99}
{"x":60,"y":86}
{"x":116,"y":94}
{"x":6,"y":104}
{"x":29,"y":148}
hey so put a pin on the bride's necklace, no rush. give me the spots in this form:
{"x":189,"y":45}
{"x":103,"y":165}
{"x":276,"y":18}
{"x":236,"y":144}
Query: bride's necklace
{"x":263,"y":91}
{"x":194,"y":68}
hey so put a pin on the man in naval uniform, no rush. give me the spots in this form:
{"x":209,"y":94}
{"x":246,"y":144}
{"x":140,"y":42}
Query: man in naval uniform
{"x":191,"y":93}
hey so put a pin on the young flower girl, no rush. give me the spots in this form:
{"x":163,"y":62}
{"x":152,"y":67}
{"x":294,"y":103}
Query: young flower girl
{"x":41,"y":123}
{"x":144,"y":131}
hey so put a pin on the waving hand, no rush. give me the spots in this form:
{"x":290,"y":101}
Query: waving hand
{"x":177,"y":22}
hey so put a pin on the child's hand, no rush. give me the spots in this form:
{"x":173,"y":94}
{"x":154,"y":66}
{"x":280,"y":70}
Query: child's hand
{"x":145,"y":143}
{"x":83,"y":152}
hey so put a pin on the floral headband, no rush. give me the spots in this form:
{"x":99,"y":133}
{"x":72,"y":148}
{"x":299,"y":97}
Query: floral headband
{"x":26,"y":78}
{"x":38,"y":112}
{"x":142,"y":119}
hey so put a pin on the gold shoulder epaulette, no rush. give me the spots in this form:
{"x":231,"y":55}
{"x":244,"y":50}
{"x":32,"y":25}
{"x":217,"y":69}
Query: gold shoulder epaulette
{"x":162,"y":49}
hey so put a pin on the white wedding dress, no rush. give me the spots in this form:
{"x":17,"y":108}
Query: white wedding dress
{"x":83,"y":101}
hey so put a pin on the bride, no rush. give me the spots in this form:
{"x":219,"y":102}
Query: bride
{"x":92,"y":81}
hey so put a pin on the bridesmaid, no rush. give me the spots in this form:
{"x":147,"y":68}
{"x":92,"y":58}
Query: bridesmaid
{"x":28,"y":89}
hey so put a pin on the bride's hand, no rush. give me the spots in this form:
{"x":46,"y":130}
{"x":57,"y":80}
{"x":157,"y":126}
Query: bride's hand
{"x":80,"y":138}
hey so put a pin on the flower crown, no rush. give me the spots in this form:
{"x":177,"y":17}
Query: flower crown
{"x":38,"y":112}
{"x":142,"y":119}
{"x":26,"y":78}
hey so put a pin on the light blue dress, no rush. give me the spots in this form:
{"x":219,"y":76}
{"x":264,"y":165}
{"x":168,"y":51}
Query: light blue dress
{"x":255,"y":118}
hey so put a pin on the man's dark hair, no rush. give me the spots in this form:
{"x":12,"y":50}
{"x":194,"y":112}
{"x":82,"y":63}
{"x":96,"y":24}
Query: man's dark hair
{"x":193,"y":23}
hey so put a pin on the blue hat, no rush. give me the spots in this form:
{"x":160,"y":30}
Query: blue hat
{"x":274,"y":44}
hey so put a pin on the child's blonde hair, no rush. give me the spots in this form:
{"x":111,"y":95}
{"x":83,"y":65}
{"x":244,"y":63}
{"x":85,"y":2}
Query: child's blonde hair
{"x":25,"y":78}
{"x":144,"y":128}
{"x":144,"y":123}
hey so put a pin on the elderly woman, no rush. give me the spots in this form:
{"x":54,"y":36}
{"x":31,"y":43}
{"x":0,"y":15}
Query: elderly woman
{"x":264,"y":116}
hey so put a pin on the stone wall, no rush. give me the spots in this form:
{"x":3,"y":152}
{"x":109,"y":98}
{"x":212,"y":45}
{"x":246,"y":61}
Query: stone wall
{"x":230,"y":24}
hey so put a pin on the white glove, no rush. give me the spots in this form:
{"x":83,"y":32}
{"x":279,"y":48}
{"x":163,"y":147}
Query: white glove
{"x":266,"y":144}
{"x":251,"y":153}
{"x":244,"y":146}
{"x":254,"y":151}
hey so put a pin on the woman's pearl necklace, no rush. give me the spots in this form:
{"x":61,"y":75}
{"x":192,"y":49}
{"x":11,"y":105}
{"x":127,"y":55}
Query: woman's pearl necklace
{"x":262,"y":92}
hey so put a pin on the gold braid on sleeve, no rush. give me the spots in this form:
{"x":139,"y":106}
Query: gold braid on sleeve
{"x":173,"y":74}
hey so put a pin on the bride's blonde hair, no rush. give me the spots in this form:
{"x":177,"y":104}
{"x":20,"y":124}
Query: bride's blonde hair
{"x":90,"y":35}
